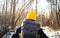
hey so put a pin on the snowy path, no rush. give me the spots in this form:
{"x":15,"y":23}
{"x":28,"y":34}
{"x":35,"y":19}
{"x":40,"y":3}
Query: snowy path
{"x":51,"y":33}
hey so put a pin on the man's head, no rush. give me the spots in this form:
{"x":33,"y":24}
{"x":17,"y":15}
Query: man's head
{"x":31,"y":15}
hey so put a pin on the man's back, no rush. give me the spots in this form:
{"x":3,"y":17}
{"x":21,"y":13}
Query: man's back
{"x":31,"y":27}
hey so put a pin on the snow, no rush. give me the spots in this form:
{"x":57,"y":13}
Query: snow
{"x":48,"y":32}
{"x":8,"y":34}
{"x":51,"y":33}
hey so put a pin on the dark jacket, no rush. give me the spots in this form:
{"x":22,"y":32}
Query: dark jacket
{"x":32,"y":28}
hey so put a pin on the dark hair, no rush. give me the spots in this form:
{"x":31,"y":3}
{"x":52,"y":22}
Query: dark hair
{"x":18,"y":30}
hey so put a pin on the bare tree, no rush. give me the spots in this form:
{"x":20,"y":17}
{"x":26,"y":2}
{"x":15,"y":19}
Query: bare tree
{"x":22,"y":9}
{"x":11,"y":11}
{"x":13,"y":18}
{"x":6,"y":13}
{"x":3,"y":12}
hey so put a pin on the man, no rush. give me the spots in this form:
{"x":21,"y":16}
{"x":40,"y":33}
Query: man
{"x":30,"y":26}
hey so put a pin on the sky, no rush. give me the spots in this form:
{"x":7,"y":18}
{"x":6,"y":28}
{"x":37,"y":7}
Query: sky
{"x":42,"y":5}
{"x":1,"y":3}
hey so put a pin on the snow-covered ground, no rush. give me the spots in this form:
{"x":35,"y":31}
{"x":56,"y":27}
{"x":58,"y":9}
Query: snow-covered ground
{"x":51,"y":33}
{"x":8,"y":34}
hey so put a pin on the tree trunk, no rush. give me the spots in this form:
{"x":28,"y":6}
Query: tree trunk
{"x":13,"y":18}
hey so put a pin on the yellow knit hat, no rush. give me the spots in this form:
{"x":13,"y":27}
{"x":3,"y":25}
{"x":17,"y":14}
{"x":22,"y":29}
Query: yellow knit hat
{"x":31,"y":15}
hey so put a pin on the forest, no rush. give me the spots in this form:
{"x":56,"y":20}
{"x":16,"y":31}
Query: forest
{"x":13,"y":12}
